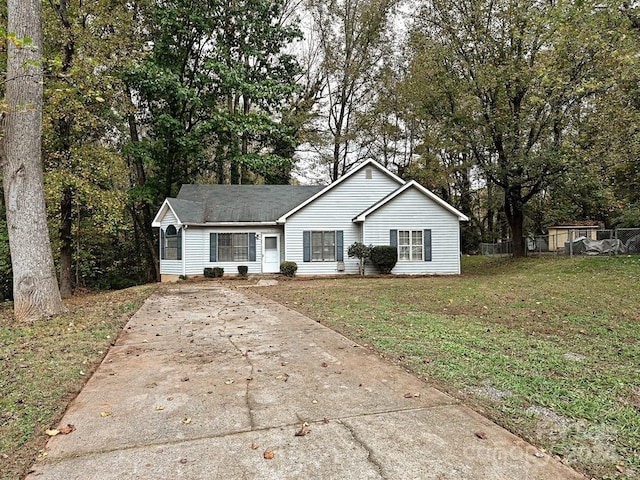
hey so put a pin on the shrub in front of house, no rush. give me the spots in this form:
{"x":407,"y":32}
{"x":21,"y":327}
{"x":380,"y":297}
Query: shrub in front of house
{"x":384,"y":257}
{"x":243,"y":270}
{"x":213,"y":272}
{"x":218,"y":272}
{"x":360,"y":251}
{"x":288,"y":269}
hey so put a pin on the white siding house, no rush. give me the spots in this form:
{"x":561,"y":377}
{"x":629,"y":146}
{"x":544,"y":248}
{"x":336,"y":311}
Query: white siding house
{"x":262,"y":225}
{"x":419,"y":224}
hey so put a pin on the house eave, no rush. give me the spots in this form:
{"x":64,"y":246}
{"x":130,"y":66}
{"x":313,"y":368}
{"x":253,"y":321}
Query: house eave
{"x":412,"y":184}
{"x":335,"y":183}
{"x":157,"y":221}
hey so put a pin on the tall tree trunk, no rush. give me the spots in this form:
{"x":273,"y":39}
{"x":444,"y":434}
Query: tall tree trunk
{"x":63,"y":128}
{"x":66,"y":247}
{"x":143,"y":209}
{"x":514,"y":211}
{"x":35,"y":289}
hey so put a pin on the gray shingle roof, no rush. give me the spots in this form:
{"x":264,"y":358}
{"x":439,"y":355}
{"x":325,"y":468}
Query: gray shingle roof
{"x":187,"y":211}
{"x":238,"y":203}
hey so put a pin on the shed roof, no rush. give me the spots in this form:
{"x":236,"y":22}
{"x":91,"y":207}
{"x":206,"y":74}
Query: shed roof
{"x":238,"y":203}
{"x":577,"y":224}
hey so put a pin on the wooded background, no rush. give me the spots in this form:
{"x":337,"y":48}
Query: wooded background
{"x":521,"y":114}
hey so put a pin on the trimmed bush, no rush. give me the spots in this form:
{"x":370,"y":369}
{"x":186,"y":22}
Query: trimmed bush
{"x":218,"y":272}
{"x":288,"y":269}
{"x":384,"y":257}
{"x":213,"y":272}
{"x":243,"y":270}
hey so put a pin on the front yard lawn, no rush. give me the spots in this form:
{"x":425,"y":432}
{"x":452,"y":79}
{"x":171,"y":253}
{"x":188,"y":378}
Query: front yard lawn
{"x":47,"y":362}
{"x":547,"y":347}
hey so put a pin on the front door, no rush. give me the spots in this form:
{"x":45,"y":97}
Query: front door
{"x":271,"y":256}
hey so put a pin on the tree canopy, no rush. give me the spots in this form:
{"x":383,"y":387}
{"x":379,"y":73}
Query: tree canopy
{"x":521,"y":113}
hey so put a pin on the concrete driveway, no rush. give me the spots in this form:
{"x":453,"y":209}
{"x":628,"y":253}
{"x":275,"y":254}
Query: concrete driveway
{"x":208,"y":382}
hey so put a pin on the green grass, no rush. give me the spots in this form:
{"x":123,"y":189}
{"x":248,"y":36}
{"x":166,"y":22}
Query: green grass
{"x":548,"y":348}
{"x":46,"y":363}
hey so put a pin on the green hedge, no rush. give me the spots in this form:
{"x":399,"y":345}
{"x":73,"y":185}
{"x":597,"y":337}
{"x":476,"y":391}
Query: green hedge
{"x":384,"y":257}
{"x":288,"y":269}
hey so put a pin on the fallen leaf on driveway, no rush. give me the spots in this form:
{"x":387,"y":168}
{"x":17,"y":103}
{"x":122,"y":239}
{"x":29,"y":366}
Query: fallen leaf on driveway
{"x":481,"y":435}
{"x":105,"y":414}
{"x":268,"y":454}
{"x":67,"y":430}
{"x":159,"y":407}
{"x":304,"y":430}
{"x":283,"y":376}
{"x":228,"y":381}
{"x":254,"y":446}
{"x":52,"y":432}
{"x":185,"y":421}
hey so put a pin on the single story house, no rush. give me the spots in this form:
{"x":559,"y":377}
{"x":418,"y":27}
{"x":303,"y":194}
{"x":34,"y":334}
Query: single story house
{"x":559,"y":234}
{"x":262,"y":225}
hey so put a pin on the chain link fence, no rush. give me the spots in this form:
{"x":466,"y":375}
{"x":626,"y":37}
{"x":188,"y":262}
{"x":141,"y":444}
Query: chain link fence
{"x":570,"y":242}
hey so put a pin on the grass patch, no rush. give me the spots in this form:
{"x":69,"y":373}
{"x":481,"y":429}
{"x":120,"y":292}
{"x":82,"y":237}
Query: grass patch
{"x":46,"y":363}
{"x":547,"y":347}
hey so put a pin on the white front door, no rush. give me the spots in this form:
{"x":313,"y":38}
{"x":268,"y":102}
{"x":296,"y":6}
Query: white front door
{"x":271,"y":253}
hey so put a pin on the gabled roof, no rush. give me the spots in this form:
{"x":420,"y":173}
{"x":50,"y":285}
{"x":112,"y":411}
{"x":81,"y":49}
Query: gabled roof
{"x":412,"y":184}
{"x":368,"y":163}
{"x":185,"y":211}
{"x":204,"y":204}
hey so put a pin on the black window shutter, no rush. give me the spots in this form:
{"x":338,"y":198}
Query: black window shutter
{"x":162,"y":244}
{"x":252,"y":247}
{"x":306,"y":246}
{"x":179,"y":253}
{"x":393,"y":238}
{"x":213,"y":247}
{"x":426,"y":241}
{"x":339,"y":246}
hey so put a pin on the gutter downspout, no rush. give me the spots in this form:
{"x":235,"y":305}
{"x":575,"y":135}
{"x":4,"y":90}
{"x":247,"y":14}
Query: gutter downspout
{"x":184,"y":251}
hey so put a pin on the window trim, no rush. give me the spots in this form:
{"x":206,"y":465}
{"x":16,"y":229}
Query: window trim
{"x":411,"y":246}
{"x":238,"y":248}
{"x":329,"y":248}
{"x":338,"y":246}
{"x":214,"y":247}
{"x":166,"y":239}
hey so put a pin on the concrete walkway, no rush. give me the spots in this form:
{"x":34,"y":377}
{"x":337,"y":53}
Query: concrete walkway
{"x":207,"y":382}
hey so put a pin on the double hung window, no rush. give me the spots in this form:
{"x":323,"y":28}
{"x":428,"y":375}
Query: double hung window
{"x":410,"y":245}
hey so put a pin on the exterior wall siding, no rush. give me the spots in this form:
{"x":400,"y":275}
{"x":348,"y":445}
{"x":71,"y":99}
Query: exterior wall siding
{"x":169,"y":219}
{"x":197,"y":249}
{"x":335,"y":210}
{"x":414,"y":211}
{"x":170,"y":267}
